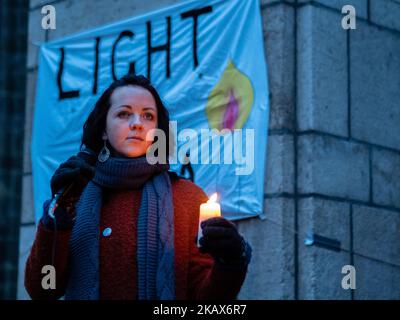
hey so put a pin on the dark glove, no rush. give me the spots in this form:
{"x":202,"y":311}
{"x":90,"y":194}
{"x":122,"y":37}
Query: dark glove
{"x":64,"y":219}
{"x":222,"y":240}
{"x":77,"y":169}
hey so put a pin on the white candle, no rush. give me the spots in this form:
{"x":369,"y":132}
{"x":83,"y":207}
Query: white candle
{"x":208,"y":210}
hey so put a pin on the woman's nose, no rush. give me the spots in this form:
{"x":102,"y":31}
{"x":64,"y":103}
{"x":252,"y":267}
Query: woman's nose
{"x":135,"y":122}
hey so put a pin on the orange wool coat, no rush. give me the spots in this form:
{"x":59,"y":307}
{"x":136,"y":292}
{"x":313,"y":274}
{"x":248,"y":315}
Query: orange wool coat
{"x":197,"y":276}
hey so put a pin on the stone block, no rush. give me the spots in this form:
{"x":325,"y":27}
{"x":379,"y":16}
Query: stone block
{"x":322,"y":72}
{"x":333,"y":167}
{"x":271,"y":271}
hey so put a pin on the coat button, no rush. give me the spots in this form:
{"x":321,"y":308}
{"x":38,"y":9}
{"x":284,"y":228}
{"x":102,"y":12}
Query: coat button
{"x":107,"y":232}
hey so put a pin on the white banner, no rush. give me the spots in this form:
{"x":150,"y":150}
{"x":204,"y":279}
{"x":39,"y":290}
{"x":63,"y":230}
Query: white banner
{"x":205,"y":58}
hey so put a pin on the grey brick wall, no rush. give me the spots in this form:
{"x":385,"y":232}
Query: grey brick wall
{"x":386,"y":177}
{"x":376,"y":240}
{"x":343,"y":120}
{"x":375,"y":82}
{"x":271,"y":273}
{"x":347,"y":150}
{"x":333,"y":149}
{"x":320,"y":268}
{"x":322,"y":73}
{"x":333,"y":167}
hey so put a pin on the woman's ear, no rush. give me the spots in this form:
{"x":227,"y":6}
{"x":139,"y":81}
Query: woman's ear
{"x":104,"y":137}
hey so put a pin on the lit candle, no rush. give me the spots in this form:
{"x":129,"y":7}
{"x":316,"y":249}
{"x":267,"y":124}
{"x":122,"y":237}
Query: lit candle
{"x":208,"y":210}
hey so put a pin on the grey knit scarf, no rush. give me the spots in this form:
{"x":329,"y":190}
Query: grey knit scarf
{"x":155,"y":233}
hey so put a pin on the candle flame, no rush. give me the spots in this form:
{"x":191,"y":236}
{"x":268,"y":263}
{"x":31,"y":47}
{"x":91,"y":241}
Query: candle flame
{"x":213,"y":198}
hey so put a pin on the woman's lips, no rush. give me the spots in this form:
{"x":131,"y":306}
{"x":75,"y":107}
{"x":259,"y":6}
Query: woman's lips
{"x":134,"y":138}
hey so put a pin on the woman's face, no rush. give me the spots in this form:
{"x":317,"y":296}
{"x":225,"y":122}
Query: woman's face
{"x":132,"y":114}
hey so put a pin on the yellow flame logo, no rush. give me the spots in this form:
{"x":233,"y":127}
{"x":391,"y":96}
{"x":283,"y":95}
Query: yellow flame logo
{"x":230,"y":101}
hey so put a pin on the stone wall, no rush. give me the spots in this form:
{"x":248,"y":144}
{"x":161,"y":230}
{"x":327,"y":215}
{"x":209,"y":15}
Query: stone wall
{"x":333,"y":151}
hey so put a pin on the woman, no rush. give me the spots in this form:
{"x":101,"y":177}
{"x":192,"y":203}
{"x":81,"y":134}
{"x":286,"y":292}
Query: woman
{"x":127,"y":229}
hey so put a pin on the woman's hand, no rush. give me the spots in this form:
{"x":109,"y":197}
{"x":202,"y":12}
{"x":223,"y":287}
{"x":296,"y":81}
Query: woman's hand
{"x":222,"y":240}
{"x":77,"y":169}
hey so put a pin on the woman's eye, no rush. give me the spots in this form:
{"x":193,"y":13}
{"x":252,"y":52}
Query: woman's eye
{"x":123,"y":114}
{"x":148,"y":116}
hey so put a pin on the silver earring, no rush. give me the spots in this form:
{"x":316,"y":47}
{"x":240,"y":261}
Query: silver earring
{"x":104,"y":153}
